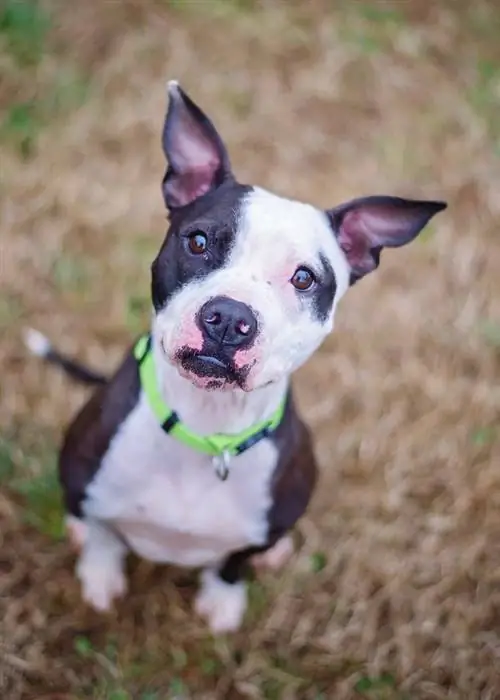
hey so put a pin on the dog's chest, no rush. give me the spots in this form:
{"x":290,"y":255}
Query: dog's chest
{"x":167,"y":500}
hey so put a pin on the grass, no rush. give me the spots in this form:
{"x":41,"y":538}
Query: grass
{"x":24,"y":121}
{"x":382,"y":687}
{"x":25,"y":29}
{"x":138,"y":313}
{"x":490,"y":331}
{"x":24,"y":26}
{"x":482,"y":437}
{"x":396,"y":577}
{"x":71,"y":273}
{"x":11,"y":310}
{"x":485,"y":95}
{"x":29,"y":474}
{"x":219,"y":7}
{"x":111,"y":683}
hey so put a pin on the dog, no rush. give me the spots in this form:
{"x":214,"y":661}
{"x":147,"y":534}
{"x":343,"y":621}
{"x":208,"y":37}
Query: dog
{"x":193,"y":452}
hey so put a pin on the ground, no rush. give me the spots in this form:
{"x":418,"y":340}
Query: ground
{"x":394,"y":592}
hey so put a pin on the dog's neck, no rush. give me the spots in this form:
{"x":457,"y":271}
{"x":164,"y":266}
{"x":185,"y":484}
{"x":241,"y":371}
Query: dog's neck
{"x":207,"y":412}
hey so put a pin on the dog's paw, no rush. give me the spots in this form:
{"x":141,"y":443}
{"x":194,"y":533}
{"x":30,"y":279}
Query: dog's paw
{"x":101,"y":583}
{"x":276,"y":557}
{"x":76,"y":529}
{"x":222,"y":604}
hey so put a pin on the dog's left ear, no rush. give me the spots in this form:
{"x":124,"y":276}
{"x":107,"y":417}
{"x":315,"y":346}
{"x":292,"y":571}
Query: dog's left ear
{"x":197,"y":158}
{"x":364,"y":226}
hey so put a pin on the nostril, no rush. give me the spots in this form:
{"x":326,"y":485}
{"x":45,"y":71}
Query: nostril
{"x":213,"y":318}
{"x":242,"y":327}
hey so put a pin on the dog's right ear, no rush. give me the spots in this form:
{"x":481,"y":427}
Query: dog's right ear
{"x":197,"y":158}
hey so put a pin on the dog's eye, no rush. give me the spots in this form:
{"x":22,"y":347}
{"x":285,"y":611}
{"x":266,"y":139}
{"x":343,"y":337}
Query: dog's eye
{"x":303,"y":279}
{"x":197,"y":242}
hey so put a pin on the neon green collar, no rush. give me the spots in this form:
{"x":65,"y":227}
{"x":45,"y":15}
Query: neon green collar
{"x":220,"y":446}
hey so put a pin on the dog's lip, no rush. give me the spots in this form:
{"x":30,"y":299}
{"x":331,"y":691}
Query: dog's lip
{"x":212,"y":360}
{"x":206,"y":364}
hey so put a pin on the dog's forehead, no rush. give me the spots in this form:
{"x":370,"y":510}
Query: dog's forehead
{"x":276,"y":228}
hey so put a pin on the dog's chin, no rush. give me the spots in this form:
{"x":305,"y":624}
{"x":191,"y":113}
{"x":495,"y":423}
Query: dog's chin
{"x":207,"y":383}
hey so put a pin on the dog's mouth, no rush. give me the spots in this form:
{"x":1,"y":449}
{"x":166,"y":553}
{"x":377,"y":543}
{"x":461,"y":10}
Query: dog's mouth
{"x":211,"y":366}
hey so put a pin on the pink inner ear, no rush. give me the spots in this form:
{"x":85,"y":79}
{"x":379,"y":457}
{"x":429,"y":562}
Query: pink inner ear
{"x":358,"y":233}
{"x":194,"y":158}
{"x":191,"y":148}
{"x":186,"y":188}
{"x":377,"y":225}
{"x":382,"y":225}
{"x":372,"y":226}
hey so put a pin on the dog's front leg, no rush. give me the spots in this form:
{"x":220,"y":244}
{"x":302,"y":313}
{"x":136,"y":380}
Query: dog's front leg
{"x":222,"y":599}
{"x":100,"y":566}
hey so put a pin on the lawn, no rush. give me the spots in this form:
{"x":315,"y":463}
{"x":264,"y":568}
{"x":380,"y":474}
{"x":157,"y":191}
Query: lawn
{"x":394,"y":592}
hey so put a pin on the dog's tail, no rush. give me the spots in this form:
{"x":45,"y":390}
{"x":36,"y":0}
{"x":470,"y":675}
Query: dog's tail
{"x":41,"y":346}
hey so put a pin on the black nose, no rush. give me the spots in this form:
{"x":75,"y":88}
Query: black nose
{"x":228,"y":322}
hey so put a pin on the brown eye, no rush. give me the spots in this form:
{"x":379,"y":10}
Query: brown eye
{"x":197,"y":242}
{"x":303,"y":279}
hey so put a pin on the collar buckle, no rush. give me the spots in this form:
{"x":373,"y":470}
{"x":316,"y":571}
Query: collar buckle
{"x":221,"y":464}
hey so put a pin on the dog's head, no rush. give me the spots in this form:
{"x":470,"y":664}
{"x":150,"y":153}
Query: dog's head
{"x":246,"y":283}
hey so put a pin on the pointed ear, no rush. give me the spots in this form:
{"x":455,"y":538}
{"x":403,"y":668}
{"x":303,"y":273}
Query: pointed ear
{"x":364,"y":226}
{"x":197,"y":158}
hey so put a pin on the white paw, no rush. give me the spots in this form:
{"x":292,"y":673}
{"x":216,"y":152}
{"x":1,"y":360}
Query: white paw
{"x":101,"y":582}
{"x":276,"y":557}
{"x":222,"y":604}
{"x":77,"y":531}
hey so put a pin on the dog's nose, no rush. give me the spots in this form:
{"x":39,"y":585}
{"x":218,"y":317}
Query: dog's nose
{"x":228,"y":322}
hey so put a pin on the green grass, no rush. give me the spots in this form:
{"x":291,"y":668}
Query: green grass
{"x":384,"y":16}
{"x":40,"y":96}
{"x":383,"y":687}
{"x":138,"y":308}
{"x":484,"y":94}
{"x":318,"y":561}
{"x":21,"y":125}
{"x":23,"y":121}
{"x":117,"y":680}
{"x":370,"y":28}
{"x":490,"y":332}
{"x":224,"y":7}
{"x":71,"y":273}
{"x":482,"y":437}
{"x":24,"y":25}
{"x":11,"y":310}
{"x":42,"y":501}
{"x":29,"y":472}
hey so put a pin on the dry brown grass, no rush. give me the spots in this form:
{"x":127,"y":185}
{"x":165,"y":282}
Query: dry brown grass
{"x":399,"y":571}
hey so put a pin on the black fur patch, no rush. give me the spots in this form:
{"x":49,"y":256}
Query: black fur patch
{"x":216,"y":215}
{"x":323,"y":293}
{"x":89,"y":435}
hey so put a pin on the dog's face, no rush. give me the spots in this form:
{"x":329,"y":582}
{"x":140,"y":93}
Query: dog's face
{"x":246,"y":283}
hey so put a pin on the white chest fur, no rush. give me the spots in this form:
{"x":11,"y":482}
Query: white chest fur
{"x":167,"y":500}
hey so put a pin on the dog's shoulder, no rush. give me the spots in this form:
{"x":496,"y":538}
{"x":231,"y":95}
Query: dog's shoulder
{"x":89,"y":435}
{"x":296,"y":472}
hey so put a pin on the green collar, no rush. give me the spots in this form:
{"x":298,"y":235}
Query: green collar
{"x":220,"y":446}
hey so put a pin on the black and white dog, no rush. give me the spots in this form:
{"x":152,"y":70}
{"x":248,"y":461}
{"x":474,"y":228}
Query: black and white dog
{"x":193,"y":453}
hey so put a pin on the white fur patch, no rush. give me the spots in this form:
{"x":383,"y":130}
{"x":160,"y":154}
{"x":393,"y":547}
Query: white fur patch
{"x":222,"y":604}
{"x":100,"y":568}
{"x":167,"y":501}
{"x":36,"y":342}
{"x":76,"y":530}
